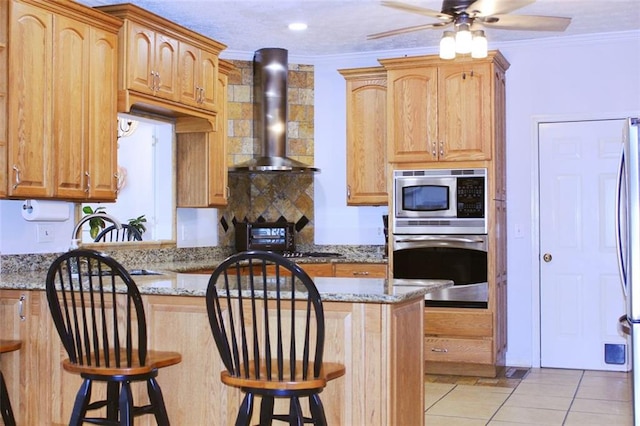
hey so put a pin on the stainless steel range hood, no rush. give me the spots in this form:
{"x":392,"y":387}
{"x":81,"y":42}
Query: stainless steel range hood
{"x":270,"y":66}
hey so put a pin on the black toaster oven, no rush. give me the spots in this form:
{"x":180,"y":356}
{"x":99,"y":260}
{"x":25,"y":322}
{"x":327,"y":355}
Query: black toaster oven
{"x":270,"y":236}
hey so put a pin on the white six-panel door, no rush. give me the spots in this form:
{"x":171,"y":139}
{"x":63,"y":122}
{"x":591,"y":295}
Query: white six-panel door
{"x":580,"y":293}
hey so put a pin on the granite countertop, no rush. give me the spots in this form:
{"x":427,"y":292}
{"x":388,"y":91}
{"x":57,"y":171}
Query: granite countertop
{"x":175,"y":283}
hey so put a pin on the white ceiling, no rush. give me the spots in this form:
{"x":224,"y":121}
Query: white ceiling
{"x":341,"y":26}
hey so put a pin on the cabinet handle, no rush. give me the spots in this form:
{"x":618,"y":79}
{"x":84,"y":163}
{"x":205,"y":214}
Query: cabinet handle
{"x":348,"y":192}
{"x":433,"y":150}
{"x":361,"y":273}
{"x":17,"y":170}
{"x":88,"y":188}
{"x":21,"y":307}
{"x":153,"y":81}
{"x":441,"y":149}
{"x":158,"y":81}
{"x":440,"y":350}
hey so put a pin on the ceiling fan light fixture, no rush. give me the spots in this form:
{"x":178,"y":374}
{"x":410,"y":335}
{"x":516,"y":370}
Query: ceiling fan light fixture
{"x":478,"y":45}
{"x":448,"y":45}
{"x":463,"y":39}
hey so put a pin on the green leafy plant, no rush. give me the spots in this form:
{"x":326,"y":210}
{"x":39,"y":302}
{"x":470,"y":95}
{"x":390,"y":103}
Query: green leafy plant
{"x":97,"y":223}
{"x":138,"y":223}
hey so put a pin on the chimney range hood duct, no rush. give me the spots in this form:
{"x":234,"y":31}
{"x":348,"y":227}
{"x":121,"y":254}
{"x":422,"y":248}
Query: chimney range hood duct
{"x":270,"y":68}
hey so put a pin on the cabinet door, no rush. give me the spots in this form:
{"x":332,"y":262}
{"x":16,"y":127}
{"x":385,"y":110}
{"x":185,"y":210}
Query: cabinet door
{"x":141,"y":49}
{"x":102,"y":161}
{"x":188,"y":73}
{"x":29,"y":128}
{"x":166,"y":67}
{"x":367,"y":140}
{"x":70,"y":78}
{"x":218,"y":176}
{"x":412,"y":120}
{"x":464,"y":112}
{"x":209,"y":82}
{"x":13,"y":327}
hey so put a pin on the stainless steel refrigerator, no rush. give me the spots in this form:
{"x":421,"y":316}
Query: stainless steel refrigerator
{"x":628,"y":232}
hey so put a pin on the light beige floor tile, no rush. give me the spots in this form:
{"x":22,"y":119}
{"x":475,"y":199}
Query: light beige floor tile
{"x":623,"y":408}
{"x":456,"y":408}
{"x":485,"y":389}
{"x":612,"y":392}
{"x":539,"y":401}
{"x":452,"y":421}
{"x":537,"y":416}
{"x":555,"y":379}
{"x":476,"y":395}
{"x":575,"y":418}
{"x":611,"y":374}
{"x":606,"y":381}
{"x":433,"y":392}
{"x":557,"y":371}
{"x":534,"y":388}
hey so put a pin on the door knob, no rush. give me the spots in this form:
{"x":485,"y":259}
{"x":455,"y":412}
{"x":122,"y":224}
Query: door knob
{"x":547,"y":257}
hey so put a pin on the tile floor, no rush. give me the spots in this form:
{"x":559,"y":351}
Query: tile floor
{"x":542,"y":397}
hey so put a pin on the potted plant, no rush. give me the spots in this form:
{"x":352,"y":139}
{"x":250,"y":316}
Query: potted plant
{"x":138,"y":223}
{"x":96,"y":223}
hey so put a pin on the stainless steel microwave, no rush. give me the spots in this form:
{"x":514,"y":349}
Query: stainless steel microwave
{"x":440,"y":201}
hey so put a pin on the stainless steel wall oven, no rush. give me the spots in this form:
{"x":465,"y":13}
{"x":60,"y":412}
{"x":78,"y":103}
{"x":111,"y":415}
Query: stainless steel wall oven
{"x":461,"y":258}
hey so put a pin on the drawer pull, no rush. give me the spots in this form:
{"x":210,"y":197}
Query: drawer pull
{"x":361,"y":273}
{"x":442,"y":350}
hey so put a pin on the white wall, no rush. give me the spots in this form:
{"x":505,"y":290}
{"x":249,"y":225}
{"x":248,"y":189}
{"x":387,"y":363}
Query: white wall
{"x":587,"y":76}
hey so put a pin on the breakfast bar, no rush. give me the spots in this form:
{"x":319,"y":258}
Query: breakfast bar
{"x":374,"y":326}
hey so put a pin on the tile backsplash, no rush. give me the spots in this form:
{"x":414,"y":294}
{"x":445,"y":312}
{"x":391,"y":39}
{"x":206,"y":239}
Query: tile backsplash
{"x":273,"y":195}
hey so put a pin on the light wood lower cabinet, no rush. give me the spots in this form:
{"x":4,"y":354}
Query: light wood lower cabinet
{"x":459,"y":341}
{"x":379,"y":344}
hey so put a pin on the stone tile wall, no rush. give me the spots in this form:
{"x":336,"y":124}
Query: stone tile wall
{"x":269,"y":197}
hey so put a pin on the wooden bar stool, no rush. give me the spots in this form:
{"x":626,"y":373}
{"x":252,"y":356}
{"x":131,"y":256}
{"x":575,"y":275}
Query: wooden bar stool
{"x":99,"y":315}
{"x":267,"y":321}
{"x":5,"y":403}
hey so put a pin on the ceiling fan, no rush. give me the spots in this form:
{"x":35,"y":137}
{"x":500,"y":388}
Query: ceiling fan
{"x":475,"y":14}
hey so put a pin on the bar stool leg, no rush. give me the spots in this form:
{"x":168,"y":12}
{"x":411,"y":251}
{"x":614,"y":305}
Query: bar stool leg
{"x":7,"y":412}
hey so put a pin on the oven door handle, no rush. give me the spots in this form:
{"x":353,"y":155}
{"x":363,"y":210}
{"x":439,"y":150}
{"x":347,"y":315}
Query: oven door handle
{"x":424,"y":238}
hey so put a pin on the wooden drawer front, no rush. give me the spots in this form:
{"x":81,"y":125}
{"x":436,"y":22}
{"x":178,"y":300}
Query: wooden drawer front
{"x":318,"y":269}
{"x":458,"y":350}
{"x":361,"y":270}
{"x":474,"y":323}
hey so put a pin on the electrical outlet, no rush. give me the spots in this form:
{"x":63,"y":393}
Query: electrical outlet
{"x":45,"y":233}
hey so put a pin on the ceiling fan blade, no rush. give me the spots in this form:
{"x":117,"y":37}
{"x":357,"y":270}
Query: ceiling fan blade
{"x":495,"y":7}
{"x":526,"y":22}
{"x":416,"y":9}
{"x":408,"y":30}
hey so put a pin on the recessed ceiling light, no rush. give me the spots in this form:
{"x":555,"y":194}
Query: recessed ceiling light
{"x":298,"y":26}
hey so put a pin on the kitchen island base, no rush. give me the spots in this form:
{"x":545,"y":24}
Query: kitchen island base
{"x":380,"y":345}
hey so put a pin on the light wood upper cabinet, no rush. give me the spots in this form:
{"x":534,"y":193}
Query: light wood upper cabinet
{"x":201,"y":156}
{"x":29,"y":114}
{"x":366,"y":136}
{"x":464,"y":112}
{"x":166,"y":69}
{"x":440,"y":110}
{"x":62,"y":110}
{"x":198,"y":72}
{"x":413,"y":114}
{"x":153,"y":61}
